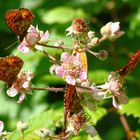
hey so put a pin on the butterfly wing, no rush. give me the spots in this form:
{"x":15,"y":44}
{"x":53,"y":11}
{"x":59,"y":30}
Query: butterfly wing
{"x":131,"y":65}
{"x":19,"y":20}
{"x":10,"y":66}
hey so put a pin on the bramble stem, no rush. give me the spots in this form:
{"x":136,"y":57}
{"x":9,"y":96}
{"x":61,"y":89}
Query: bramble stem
{"x":50,"y":89}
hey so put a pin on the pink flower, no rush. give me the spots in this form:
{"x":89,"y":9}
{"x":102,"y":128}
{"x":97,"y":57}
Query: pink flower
{"x":70,"y":69}
{"x":111,"y":30}
{"x":22,"y":85}
{"x":31,"y":40}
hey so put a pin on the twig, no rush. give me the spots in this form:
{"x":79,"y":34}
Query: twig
{"x":55,"y":47}
{"x":50,"y":89}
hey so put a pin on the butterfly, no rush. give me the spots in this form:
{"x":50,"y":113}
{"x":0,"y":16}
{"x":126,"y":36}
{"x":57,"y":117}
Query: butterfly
{"x":10,"y":66}
{"x":19,"y":21}
{"x":131,"y":65}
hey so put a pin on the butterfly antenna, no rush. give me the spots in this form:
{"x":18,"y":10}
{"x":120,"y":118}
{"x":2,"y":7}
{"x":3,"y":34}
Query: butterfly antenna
{"x":10,"y":45}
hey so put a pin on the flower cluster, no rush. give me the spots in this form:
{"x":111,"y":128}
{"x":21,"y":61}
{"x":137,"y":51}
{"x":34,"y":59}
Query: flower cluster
{"x":72,"y":67}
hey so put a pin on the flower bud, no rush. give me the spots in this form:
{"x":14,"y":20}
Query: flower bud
{"x":105,"y":30}
{"x":94,"y":41}
{"x":111,"y":31}
{"x":21,"y":126}
{"x":103,"y":55}
{"x":91,"y":34}
{"x":43,"y":133}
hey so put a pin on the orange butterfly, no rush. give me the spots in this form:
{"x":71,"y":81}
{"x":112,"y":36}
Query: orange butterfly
{"x":19,"y":20}
{"x":10,"y":66}
{"x":131,"y":65}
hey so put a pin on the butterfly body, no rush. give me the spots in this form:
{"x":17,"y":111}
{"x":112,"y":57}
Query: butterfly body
{"x":19,"y":20}
{"x":10,"y":66}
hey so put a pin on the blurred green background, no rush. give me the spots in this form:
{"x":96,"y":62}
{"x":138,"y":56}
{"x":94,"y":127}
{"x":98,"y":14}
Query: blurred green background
{"x":56,"y":16}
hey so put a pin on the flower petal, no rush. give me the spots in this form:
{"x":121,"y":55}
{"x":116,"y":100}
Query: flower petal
{"x":12,"y":92}
{"x":23,"y":48}
{"x":21,"y":98}
{"x":70,"y":80}
{"x":115,"y":103}
{"x":115,"y":27}
{"x":91,"y":131}
{"x":83,"y":75}
{"x":60,"y":71}
{"x":44,"y":37}
{"x":65,"y":57}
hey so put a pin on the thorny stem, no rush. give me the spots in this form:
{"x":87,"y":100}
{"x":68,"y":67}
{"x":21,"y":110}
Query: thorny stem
{"x":127,"y":129}
{"x":62,"y":89}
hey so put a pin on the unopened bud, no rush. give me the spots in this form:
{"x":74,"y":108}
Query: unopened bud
{"x":94,"y":41}
{"x":103,"y":54}
{"x":111,"y":30}
{"x":21,"y":126}
{"x":105,"y":30}
{"x":91,"y":34}
{"x":43,"y":133}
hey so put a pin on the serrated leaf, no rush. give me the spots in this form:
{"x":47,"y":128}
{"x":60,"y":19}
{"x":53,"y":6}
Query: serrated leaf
{"x":95,"y":116}
{"x":62,"y":15}
{"x":44,"y":120}
{"x":132,"y":108}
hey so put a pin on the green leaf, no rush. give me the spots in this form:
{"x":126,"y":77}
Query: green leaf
{"x":98,"y":76}
{"x":48,"y":119}
{"x":132,"y":108}
{"x":95,"y":116}
{"x":62,"y":15}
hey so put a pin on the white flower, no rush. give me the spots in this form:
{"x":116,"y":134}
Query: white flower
{"x":115,"y":87}
{"x":22,"y":85}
